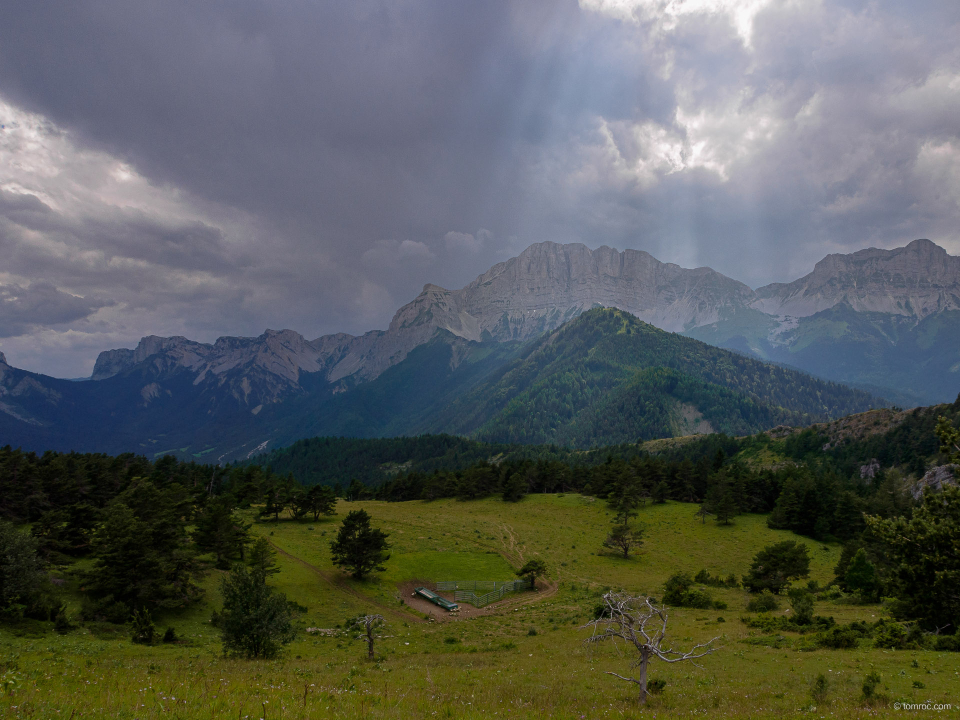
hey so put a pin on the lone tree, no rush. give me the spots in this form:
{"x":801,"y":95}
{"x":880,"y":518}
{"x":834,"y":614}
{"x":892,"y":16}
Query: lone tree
{"x":641,"y":624}
{"x":256,"y":620}
{"x":624,"y":538}
{"x":359,"y":548}
{"x":776,"y":565}
{"x":532,"y":570}
{"x":367,"y":624}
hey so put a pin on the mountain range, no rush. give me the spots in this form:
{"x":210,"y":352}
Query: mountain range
{"x":886,"y":321}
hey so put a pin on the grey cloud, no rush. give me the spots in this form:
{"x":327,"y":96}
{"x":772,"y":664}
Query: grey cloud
{"x":369,"y":142}
{"x":40,"y":305}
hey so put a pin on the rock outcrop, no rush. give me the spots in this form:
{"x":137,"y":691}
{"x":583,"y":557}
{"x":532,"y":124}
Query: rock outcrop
{"x":936,"y":478}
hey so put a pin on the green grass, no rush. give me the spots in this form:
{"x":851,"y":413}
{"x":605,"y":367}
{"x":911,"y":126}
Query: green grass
{"x":484,"y":667}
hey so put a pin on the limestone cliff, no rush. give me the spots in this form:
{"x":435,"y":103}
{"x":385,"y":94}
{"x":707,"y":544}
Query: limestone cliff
{"x":917,"y":280}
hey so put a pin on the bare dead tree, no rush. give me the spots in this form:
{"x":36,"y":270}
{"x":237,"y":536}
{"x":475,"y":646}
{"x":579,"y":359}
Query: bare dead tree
{"x":636,"y":621}
{"x":367,"y":624}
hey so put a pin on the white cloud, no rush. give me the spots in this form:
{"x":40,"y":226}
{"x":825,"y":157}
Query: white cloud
{"x":459,"y":242}
{"x":666,"y":15}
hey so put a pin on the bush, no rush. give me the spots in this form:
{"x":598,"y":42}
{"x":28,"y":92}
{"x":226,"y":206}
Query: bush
{"x":678,"y":591}
{"x":839,"y":638}
{"x":870,"y":683}
{"x":61,"y":623}
{"x":947,"y":643}
{"x":170,"y":636}
{"x":143,"y":630}
{"x":656,"y":686}
{"x":891,"y":635}
{"x":765,"y":602}
{"x":801,"y":602}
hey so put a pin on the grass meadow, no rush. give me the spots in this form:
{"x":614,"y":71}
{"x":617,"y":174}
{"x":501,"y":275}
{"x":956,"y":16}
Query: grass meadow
{"x":527,"y":659}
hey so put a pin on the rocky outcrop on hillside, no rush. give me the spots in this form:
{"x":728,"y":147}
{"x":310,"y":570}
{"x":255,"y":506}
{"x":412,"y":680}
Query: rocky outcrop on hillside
{"x":917,"y":280}
{"x":936,"y":479}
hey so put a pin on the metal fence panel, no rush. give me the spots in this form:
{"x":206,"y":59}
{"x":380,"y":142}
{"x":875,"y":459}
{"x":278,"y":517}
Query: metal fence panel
{"x":467,"y":590}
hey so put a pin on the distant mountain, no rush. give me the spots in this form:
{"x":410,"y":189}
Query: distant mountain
{"x":886,"y":321}
{"x":602,"y":378}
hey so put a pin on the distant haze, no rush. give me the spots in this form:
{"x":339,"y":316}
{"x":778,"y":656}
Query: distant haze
{"x":212,"y":168}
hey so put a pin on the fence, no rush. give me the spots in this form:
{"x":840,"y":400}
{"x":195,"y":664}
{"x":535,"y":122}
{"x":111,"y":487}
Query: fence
{"x":466,"y":591}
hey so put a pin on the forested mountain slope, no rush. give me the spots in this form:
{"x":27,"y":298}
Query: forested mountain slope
{"x":608,"y":377}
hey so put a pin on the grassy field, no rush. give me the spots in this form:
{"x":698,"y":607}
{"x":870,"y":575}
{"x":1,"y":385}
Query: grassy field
{"x":526,"y":660}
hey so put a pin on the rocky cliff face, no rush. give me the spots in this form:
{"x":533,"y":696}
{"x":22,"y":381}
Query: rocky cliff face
{"x":917,"y":280}
{"x":547,"y":285}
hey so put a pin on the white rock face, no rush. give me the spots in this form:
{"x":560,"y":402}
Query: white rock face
{"x":546,"y":285}
{"x":919,"y":280}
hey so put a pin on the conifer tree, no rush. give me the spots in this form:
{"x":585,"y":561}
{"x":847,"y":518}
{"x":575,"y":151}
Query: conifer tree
{"x":358,"y":547}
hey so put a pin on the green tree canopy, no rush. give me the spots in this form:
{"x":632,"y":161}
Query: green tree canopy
{"x":532,"y":570}
{"x":256,"y":620}
{"x":358,"y":547}
{"x":21,"y":570}
{"x":924,"y":559}
{"x":776,"y":565}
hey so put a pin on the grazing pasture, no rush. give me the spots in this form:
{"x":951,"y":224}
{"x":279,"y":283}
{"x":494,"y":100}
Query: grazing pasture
{"x":524,"y":658}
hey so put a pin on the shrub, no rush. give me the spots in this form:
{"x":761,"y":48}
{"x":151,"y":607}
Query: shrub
{"x":891,"y":635}
{"x":678,"y":591}
{"x":170,"y":636}
{"x":765,"y":602}
{"x":143,"y":630}
{"x":870,"y":683}
{"x":948,"y":643}
{"x":656,"y":686}
{"x":838,"y":638}
{"x":801,"y":602}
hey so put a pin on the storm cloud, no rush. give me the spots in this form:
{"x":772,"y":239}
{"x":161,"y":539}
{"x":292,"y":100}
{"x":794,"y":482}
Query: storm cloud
{"x":212,"y":167}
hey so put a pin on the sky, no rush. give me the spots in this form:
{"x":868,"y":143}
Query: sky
{"x":219,"y":167}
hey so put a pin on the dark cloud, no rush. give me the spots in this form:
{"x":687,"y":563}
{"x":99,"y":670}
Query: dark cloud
{"x":312,"y":164}
{"x":41,"y":305}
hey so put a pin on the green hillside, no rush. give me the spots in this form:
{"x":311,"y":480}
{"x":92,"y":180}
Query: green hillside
{"x":608,"y":377}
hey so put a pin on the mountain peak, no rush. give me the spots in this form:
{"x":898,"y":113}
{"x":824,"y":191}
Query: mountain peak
{"x":918,"y":279}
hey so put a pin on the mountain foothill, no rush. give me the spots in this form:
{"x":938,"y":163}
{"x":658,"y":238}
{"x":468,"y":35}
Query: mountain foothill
{"x":560,"y":345}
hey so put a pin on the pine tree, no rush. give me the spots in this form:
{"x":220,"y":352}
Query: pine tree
{"x":256,"y":620}
{"x":358,"y":547}
{"x":263,"y":558}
